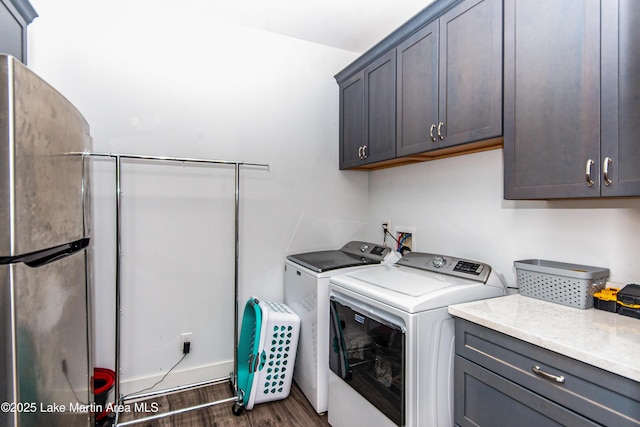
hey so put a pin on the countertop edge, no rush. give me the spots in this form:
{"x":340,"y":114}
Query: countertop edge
{"x":491,"y":314}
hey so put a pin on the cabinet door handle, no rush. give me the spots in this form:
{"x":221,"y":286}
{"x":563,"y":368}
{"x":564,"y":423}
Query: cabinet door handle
{"x":433,"y":138}
{"x":440,"y":131}
{"x":364,"y":152}
{"x":360,"y":152}
{"x":605,"y":171}
{"x":590,"y":182}
{"x":557,"y":378}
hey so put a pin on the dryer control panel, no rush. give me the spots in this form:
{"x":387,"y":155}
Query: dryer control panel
{"x":449,"y":265}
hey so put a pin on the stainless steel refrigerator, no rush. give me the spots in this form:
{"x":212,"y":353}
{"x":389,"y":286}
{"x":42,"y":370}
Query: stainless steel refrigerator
{"x":45,"y":360}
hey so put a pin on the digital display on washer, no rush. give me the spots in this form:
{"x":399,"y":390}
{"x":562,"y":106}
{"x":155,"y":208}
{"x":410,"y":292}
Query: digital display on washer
{"x":378,"y":250}
{"x":468,"y":267}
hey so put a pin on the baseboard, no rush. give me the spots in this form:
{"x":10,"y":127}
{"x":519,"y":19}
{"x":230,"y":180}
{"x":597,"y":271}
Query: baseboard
{"x":178,"y":378}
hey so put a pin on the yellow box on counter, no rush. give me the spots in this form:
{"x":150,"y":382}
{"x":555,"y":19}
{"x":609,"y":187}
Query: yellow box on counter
{"x":629,"y":300}
{"x":625,"y":301}
{"x":606,"y":299}
{"x":629,"y":296}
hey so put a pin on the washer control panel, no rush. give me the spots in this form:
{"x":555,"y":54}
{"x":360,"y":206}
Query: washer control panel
{"x":368,"y":252}
{"x":449,"y":265}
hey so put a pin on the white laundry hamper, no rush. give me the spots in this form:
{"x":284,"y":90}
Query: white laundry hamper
{"x":266,"y":352}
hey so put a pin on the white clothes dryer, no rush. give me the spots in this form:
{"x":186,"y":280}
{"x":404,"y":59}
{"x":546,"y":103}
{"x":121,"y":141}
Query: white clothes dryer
{"x":306,"y":292}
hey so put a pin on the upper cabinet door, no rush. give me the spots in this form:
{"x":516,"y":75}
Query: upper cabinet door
{"x":418,"y":92}
{"x":552,"y":98}
{"x":352,"y":121}
{"x":620,"y":99}
{"x":471,"y":72}
{"x":380,"y":107}
{"x":368,"y":114}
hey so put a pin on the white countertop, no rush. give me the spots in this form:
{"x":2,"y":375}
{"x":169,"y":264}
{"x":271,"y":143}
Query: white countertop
{"x":606,"y":340}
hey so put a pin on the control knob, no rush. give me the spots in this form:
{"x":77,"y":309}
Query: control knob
{"x":363,"y":248}
{"x":439,"y":262}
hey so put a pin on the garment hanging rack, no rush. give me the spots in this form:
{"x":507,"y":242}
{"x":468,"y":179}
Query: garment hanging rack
{"x":233,"y":377}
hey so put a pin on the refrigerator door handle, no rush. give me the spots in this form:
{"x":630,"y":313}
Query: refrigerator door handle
{"x":45,"y":256}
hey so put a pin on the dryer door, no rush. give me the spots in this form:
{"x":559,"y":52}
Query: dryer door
{"x":368,"y":352}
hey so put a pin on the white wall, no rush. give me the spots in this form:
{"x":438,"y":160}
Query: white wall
{"x":456,"y":206}
{"x":167,"y":78}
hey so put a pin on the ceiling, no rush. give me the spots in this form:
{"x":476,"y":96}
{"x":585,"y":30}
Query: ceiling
{"x":353,"y":25}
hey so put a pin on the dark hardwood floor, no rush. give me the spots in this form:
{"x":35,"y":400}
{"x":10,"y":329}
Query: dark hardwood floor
{"x":295,"y":410}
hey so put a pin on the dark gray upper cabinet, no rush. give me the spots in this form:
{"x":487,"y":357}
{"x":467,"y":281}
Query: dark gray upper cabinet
{"x":570,"y":104}
{"x":418,"y":92}
{"x":367,"y":114}
{"x":450,"y":79}
{"x":380,"y":109}
{"x":552,"y":98}
{"x":447,"y":88}
{"x":620,"y":152}
{"x":471,"y":72}
{"x":352,"y":121}
{"x":15,"y":15}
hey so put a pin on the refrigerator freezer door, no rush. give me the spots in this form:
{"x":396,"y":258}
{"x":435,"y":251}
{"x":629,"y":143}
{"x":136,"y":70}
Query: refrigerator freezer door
{"x":42,"y":175}
{"x":51,"y":338}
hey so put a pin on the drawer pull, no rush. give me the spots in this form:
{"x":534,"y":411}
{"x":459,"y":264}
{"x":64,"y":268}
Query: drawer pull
{"x":557,"y":378}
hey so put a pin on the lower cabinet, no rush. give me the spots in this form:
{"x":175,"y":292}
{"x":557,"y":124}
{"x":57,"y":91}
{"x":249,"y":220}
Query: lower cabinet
{"x":500,"y":380}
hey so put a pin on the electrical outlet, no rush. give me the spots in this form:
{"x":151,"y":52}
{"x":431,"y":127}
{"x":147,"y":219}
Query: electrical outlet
{"x":386,"y":229}
{"x":185,"y":342}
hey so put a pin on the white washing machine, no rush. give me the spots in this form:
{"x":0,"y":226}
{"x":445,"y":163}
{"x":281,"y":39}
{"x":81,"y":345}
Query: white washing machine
{"x":392,"y":340}
{"x":306,"y":291}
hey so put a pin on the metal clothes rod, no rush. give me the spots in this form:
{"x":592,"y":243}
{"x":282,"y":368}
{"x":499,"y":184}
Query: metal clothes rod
{"x":176,"y":159}
{"x":118,"y":172}
{"x":118,"y":275}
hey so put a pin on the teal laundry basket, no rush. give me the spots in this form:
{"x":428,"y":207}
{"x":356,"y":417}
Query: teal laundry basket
{"x":266,"y":351}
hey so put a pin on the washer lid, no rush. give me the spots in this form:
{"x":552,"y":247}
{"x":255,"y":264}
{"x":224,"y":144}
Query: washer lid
{"x":352,"y":254}
{"x":412,"y":290}
{"x":407,"y":281}
{"x":328,"y":260}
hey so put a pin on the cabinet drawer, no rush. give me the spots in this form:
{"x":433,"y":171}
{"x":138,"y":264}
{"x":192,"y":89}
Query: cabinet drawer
{"x":478,"y":390}
{"x":598,"y":395}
